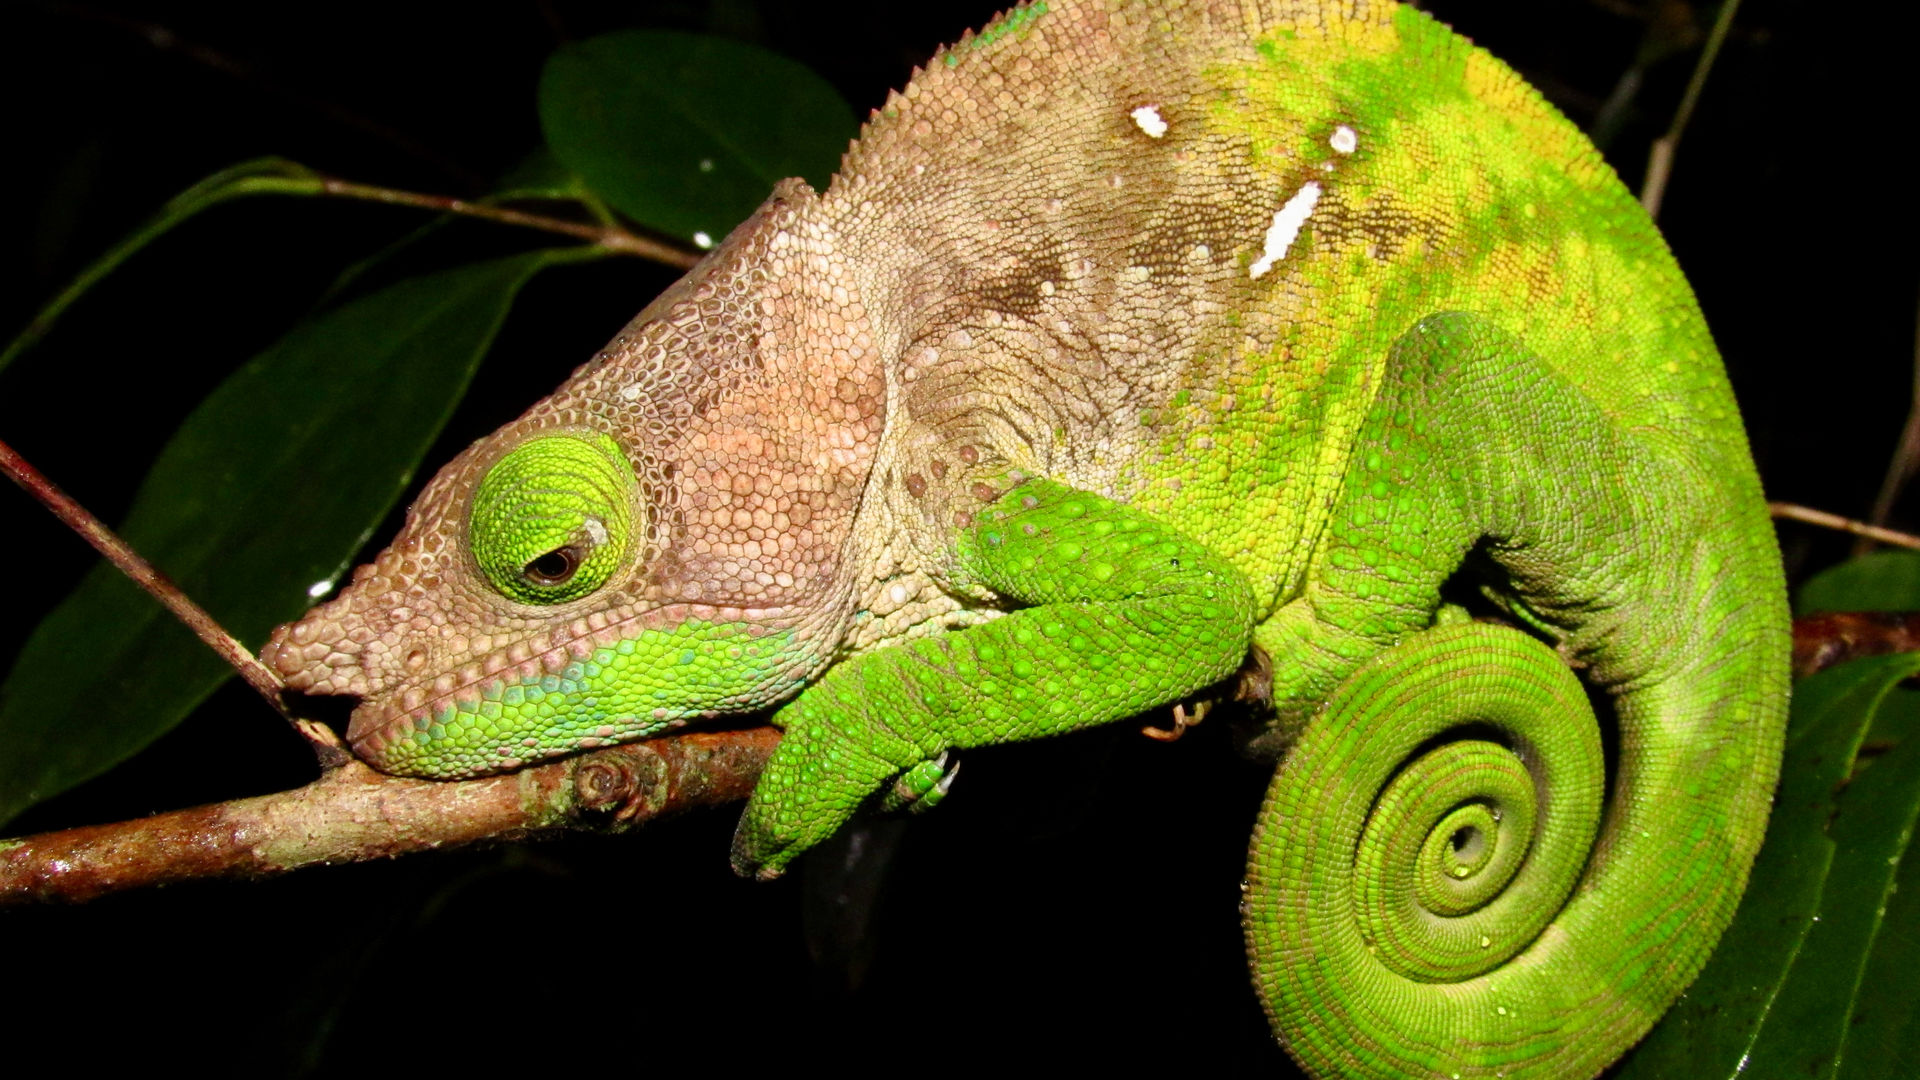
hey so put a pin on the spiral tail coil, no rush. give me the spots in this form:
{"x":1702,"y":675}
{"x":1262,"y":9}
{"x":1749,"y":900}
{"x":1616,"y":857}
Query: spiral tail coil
{"x":1415,"y":854}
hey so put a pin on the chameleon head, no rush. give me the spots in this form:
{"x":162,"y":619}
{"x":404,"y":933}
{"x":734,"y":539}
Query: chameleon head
{"x":661,"y":539}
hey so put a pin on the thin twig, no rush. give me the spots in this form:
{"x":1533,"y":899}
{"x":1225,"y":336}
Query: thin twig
{"x":1906,"y":455}
{"x":611,"y":238}
{"x":353,"y":814}
{"x":95,"y":532}
{"x":1660,"y":159}
{"x":1796,"y":512}
{"x":274,"y":176}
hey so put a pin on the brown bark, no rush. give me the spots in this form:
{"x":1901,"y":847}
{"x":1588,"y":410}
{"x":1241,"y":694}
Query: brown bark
{"x":352,"y":813}
{"x":1823,"y":641}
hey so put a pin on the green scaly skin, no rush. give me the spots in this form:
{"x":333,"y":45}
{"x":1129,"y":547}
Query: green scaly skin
{"x":1123,"y":350}
{"x":1124,"y":610}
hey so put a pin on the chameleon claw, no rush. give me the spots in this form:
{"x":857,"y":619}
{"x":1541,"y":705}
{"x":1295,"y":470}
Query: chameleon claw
{"x":932,"y":798}
{"x":1181,"y":721}
{"x":921,"y":787}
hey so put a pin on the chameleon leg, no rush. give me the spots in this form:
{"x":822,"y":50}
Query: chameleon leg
{"x":1126,"y":614}
{"x":1396,"y":918}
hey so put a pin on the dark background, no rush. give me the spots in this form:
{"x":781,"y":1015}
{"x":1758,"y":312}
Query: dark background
{"x":1074,"y":903}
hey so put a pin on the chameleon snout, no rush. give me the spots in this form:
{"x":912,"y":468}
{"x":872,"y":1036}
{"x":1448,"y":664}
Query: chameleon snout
{"x":315,"y":655}
{"x":314,"y":658}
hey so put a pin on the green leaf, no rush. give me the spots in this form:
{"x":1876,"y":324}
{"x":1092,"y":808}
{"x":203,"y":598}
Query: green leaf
{"x":1885,"y":1040}
{"x":1880,"y":581}
{"x":265,"y":176}
{"x":253,"y":508}
{"x":1783,"y":991}
{"x":687,"y":134}
{"x":1808,"y":1031}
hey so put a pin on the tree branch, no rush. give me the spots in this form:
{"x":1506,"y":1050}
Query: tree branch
{"x":352,"y":814}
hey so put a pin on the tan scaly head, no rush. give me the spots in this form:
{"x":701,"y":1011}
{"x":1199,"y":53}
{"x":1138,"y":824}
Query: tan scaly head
{"x":662,"y":538}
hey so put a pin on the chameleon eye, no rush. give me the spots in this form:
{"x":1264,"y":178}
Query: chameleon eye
{"x":552,"y":520}
{"x":556,"y":567}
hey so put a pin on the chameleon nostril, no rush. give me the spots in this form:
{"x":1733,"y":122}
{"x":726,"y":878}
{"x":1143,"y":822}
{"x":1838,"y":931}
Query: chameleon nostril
{"x":416,"y":659}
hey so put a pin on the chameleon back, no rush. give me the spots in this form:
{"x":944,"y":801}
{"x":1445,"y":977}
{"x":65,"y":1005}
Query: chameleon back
{"x":1198,"y":229}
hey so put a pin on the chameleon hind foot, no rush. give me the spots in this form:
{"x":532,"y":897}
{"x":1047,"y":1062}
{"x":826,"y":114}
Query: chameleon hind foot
{"x":1182,"y":720}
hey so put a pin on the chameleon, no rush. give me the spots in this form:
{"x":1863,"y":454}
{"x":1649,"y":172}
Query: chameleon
{"x":1159,"y":354}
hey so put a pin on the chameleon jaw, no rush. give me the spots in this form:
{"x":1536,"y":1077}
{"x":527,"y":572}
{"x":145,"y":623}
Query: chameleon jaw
{"x":604,"y":684}
{"x":388,"y":739}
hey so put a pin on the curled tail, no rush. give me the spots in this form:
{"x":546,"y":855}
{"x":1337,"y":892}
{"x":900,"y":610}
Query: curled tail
{"x":1450,"y":877}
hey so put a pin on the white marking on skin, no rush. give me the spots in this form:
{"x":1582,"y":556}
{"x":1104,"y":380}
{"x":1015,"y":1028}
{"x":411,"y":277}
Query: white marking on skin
{"x":702,"y":241}
{"x":1344,"y":140}
{"x":320,"y":588}
{"x":898,"y":593}
{"x":1286,"y":225}
{"x":1149,"y":121}
{"x":596,"y":531}
{"x":631,"y":392}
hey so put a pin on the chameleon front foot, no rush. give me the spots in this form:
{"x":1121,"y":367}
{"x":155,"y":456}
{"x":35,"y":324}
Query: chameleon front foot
{"x":922,"y":787}
{"x":787,"y":817}
{"x":830,"y":761}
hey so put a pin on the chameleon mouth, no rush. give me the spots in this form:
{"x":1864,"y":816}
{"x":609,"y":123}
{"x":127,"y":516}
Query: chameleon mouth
{"x":575,"y":691}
